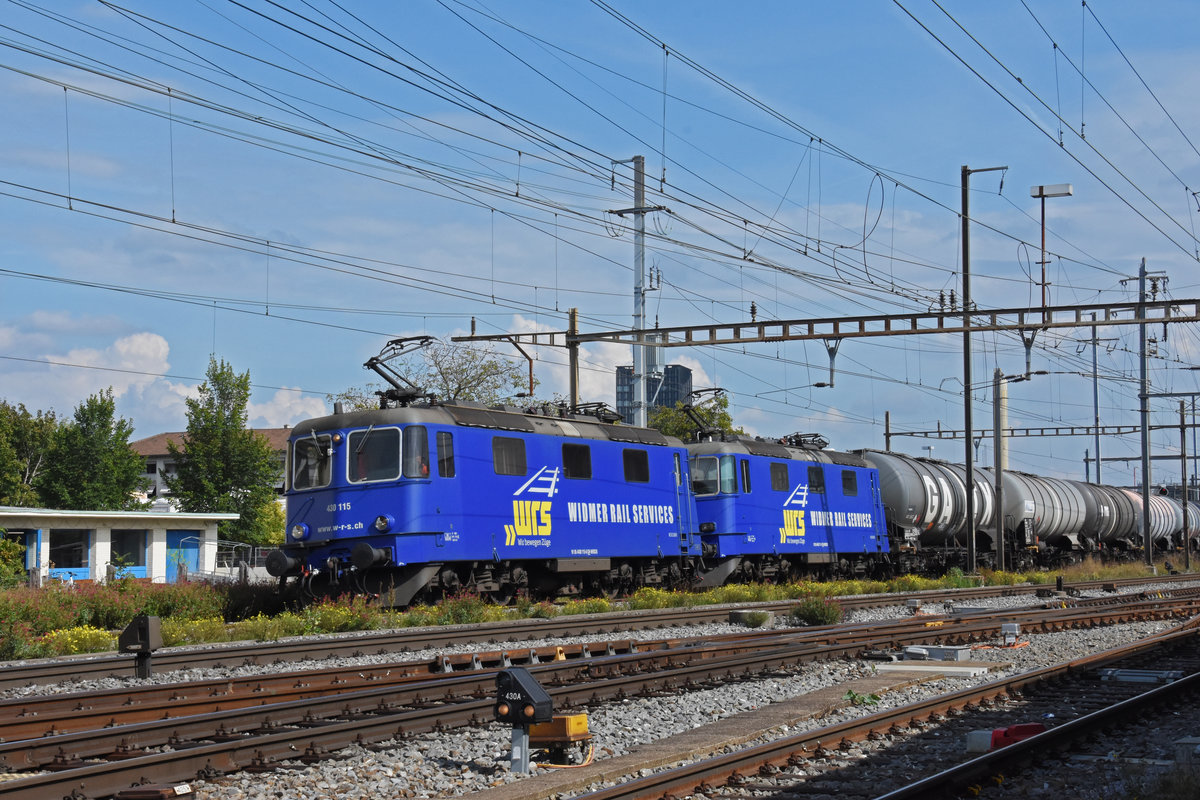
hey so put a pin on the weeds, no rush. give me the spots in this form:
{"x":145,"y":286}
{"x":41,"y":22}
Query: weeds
{"x":816,"y":611}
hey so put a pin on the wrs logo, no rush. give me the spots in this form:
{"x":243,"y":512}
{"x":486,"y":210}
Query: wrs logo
{"x":793,"y":518}
{"x":531,"y":518}
{"x":793,"y":525}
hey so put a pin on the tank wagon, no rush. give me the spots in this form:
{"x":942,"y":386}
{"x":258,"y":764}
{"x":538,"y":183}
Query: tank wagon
{"x":1046,"y":521}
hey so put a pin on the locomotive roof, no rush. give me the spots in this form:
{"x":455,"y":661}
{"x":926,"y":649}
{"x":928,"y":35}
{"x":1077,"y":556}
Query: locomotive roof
{"x":774,"y":449}
{"x":476,"y":415}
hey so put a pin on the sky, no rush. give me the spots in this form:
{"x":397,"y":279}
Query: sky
{"x":287,"y":186}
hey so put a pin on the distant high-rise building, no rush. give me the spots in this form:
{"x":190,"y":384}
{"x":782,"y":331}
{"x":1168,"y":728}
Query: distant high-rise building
{"x":674,"y":385}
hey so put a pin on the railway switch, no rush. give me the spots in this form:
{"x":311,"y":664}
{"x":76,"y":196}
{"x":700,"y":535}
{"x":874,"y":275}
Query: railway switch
{"x":521,"y":701}
{"x":141,"y":637}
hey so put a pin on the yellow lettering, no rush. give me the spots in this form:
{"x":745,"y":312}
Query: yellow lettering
{"x":793,"y":525}
{"x":530,"y":518}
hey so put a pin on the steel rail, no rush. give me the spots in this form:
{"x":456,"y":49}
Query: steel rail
{"x":702,"y":777}
{"x":56,"y":715}
{"x":373,"y":717}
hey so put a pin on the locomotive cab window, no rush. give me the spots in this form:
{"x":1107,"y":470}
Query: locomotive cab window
{"x":312,"y":462}
{"x":746,"y":475}
{"x":445,"y":454}
{"x":849,"y":483}
{"x":779,"y":477}
{"x":577,"y":461}
{"x":508,"y":455}
{"x":728,"y":475}
{"x":637,"y":466}
{"x":416,"y":452}
{"x":374,"y":454}
{"x":816,"y":480}
{"x":704,"y":475}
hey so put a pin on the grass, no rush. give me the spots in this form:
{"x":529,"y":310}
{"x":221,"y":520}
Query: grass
{"x":56,"y":620}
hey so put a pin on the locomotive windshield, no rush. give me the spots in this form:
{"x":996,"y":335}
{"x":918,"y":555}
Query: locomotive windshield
{"x":374,"y":455}
{"x":312,"y":462}
{"x":711,"y":475}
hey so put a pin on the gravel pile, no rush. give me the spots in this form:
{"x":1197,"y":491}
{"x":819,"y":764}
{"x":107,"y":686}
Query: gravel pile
{"x":462,"y":761}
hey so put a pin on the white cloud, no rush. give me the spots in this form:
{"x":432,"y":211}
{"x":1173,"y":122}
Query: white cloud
{"x":286,"y":407}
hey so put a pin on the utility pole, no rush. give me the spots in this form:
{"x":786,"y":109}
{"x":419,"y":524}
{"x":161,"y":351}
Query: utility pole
{"x":999,"y":412}
{"x":1183,"y":478}
{"x":639,"y":285}
{"x":573,"y":354}
{"x":968,"y":400}
{"x":1095,"y":394}
{"x":1144,"y":409}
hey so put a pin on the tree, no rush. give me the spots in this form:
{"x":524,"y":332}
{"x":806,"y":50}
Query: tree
{"x":675,"y":421}
{"x":10,"y":469}
{"x":223,"y":466}
{"x":30,"y":437}
{"x":451,"y":372}
{"x":90,"y":464}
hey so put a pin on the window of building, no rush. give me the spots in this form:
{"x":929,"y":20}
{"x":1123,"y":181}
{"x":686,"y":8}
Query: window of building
{"x":816,"y":480}
{"x":445,"y":454}
{"x":849,"y":483}
{"x":416,"y":452}
{"x":374,"y":454}
{"x":129,"y":548}
{"x":69,"y":549}
{"x":637,"y":466}
{"x":312,"y":462}
{"x":577,"y":461}
{"x":508,"y":455}
{"x":779,"y":476}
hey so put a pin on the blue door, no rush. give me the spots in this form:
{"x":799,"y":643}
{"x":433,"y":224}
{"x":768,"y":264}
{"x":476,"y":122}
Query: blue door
{"x":183,"y":554}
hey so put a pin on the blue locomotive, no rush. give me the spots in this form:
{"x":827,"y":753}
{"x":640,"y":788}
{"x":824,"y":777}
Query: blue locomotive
{"x":780,"y":510}
{"x":427,"y":500}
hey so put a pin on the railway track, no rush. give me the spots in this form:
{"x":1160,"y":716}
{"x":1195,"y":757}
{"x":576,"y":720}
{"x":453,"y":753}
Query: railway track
{"x":311,"y":650}
{"x":213,"y":733}
{"x":902,"y":753}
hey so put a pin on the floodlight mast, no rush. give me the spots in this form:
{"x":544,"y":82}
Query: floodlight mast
{"x":1044,"y":191}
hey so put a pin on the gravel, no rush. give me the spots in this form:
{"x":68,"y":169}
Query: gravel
{"x":466,"y":760}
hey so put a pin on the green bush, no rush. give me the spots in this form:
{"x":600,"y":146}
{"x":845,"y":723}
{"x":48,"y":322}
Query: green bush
{"x":12,"y":564}
{"x":462,"y":609}
{"x":586,"y":605}
{"x":177,"y":631}
{"x":543,"y":610}
{"x":816,"y":611}
{"x":343,"y":614}
{"x":81,"y":639}
{"x":17,"y":640}
{"x":262,"y":628}
{"x":647,"y":597}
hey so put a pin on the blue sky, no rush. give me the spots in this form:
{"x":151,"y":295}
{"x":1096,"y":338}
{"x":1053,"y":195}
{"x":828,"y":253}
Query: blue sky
{"x":288,"y":186}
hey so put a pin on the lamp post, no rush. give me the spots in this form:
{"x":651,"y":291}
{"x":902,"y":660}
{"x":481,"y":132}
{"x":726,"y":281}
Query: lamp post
{"x":1000,"y":460}
{"x":967,"y":172}
{"x":1051,"y":190}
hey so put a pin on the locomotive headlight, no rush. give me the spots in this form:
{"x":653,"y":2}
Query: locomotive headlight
{"x":384,"y":523}
{"x":299,"y":531}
